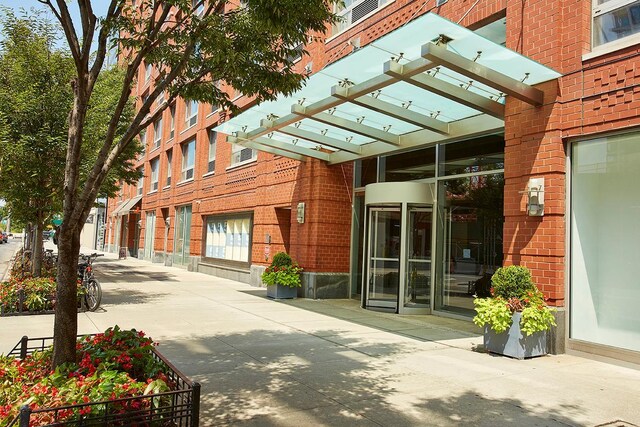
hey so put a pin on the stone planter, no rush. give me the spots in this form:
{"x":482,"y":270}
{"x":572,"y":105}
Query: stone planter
{"x":514,"y":343}
{"x":281,"y":292}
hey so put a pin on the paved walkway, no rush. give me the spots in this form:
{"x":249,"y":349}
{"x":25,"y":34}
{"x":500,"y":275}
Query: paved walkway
{"x":317,"y":363}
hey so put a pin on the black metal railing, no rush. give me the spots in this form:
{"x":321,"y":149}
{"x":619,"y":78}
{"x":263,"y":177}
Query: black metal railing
{"x":179,"y":407}
{"x":21,"y":309}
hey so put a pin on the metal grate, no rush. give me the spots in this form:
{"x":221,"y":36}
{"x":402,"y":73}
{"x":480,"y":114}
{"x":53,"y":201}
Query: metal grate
{"x":363,"y":9}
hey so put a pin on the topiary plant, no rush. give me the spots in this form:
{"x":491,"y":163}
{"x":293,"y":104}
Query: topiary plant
{"x":281,"y":259}
{"x":513,"y":281}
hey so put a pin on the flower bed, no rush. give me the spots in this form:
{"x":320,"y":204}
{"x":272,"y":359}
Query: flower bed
{"x":118,"y":380}
{"x":30,"y":295}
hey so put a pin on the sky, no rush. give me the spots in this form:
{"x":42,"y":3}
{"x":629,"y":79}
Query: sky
{"x":99,"y":6}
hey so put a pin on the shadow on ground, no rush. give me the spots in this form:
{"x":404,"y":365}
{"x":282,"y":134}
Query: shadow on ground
{"x":121,"y":296}
{"x":270,"y":378}
{"x":117,"y":273}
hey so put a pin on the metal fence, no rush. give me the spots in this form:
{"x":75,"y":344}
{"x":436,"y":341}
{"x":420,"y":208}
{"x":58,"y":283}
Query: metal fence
{"x":179,"y":407}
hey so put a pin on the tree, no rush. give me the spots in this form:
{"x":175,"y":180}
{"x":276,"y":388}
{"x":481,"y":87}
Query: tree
{"x":192,"y":44}
{"x":35,"y":100}
{"x":34,"y":89}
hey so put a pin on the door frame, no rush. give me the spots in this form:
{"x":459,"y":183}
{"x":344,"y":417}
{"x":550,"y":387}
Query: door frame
{"x":398,"y":307}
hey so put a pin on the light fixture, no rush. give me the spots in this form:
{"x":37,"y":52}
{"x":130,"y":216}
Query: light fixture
{"x":535,"y":197}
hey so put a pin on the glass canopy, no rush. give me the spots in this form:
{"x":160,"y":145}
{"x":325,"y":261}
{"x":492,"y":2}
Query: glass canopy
{"x":429,"y":81}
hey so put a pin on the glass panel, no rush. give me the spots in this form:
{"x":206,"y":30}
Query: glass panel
{"x":411,"y":166}
{"x":149,"y":234}
{"x":474,"y":155}
{"x":178,"y":250}
{"x":187,"y":235}
{"x":418,"y":290}
{"x":367,"y":63}
{"x":616,"y":24}
{"x":384,"y":262}
{"x":366,"y":172}
{"x":605,"y":233}
{"x":470,"y":223}
{"x":357,"y":240}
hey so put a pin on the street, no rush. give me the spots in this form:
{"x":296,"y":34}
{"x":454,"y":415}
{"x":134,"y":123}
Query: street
{"x":6,"y":252}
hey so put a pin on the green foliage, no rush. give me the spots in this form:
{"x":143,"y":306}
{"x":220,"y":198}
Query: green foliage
{"x":282,"y":271}
{"x":38,"y":294}
{"x":114,"y":365}
{"x":512,"y":281}
{"x":281,"y":259}
{"x":513,"y":290}
{"x":494,"y":312}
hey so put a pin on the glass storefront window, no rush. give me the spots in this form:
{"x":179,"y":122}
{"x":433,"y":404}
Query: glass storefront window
{"x":472,"y":156}
{"x":605,"y":231}
{"x":228,"y":238}
{"x":366,"y":172}
{"x":470,"y":222}
{"x":411,"y":166}
{"x":182,"y":240}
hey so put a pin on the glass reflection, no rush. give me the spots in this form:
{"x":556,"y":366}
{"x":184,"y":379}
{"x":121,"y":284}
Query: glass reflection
{"x":470,"y":219}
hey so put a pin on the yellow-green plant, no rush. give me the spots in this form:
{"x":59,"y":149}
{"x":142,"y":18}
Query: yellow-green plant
{"x":514,"y":291}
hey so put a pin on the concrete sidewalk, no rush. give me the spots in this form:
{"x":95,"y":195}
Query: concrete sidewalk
{"x":303,"y":363}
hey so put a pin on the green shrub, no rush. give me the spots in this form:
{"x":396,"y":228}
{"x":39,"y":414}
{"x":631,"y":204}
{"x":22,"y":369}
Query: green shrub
{"x":281,"y":259}
{"x":282,"y":271}
{"x":512,"y":281}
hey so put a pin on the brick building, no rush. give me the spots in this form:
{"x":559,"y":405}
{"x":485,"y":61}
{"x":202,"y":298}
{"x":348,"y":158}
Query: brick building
{"x":434,"y":142}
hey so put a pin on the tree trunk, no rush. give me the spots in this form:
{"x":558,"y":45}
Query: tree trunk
{"x":28,"y":235}
{"x":36,"y":266}
{"x":66,"y":317}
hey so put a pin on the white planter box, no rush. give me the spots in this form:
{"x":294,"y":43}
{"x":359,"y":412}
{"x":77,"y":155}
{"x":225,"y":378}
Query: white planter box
{"x":514,"y":343}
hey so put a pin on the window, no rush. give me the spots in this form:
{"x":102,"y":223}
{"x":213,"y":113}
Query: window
{"x":172,"y":121}
{"x":604,"y":240}
{"x":169,"y":158}
{"x":228,"y":237}
{"x":143,"y":140}
{"x":198,"y":6}
{"x":161,"y":99}
{"x":154,"y":174}
{"x":190,"y":113}
{"x":147,"y":72}
{"x":140,"y":182}
{"x":212,"y":151}
{"x":157,"y":133}
{"x":188,"y":159}
{"x":614,"y":20}
{"x":240,"y":154}
{"x":352,"y":11}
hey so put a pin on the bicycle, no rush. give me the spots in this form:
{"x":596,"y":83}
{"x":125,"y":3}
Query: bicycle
{"x":93,"y":290}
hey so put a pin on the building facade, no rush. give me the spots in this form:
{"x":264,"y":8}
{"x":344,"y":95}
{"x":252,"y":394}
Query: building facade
{"x":434,"y":142}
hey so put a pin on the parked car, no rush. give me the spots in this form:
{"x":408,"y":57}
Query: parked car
{"x":4,"y":237}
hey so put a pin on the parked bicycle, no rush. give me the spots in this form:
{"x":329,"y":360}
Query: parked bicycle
{"x":93,"y":290}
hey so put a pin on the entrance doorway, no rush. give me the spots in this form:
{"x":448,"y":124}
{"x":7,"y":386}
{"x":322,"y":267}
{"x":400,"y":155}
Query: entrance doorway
{"x":399,"y":234}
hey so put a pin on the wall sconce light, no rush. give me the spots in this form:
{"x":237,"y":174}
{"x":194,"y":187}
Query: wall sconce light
{"x":300,"y":213}
{"x":535,"y":197}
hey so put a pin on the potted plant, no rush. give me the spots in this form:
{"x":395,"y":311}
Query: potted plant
{"x":282,"y":277}
{"x":515,"y":317}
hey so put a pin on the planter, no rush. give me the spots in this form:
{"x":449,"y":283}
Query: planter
{"x":514,"y":343}
{"x":178,"y":407}
{"x":281,"y":292}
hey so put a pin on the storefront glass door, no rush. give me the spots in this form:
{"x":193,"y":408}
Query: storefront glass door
{"x":418,"y":289}
{"x":182,"y":240}
{"x":383,"y":258}
{"x":149,"y":235}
